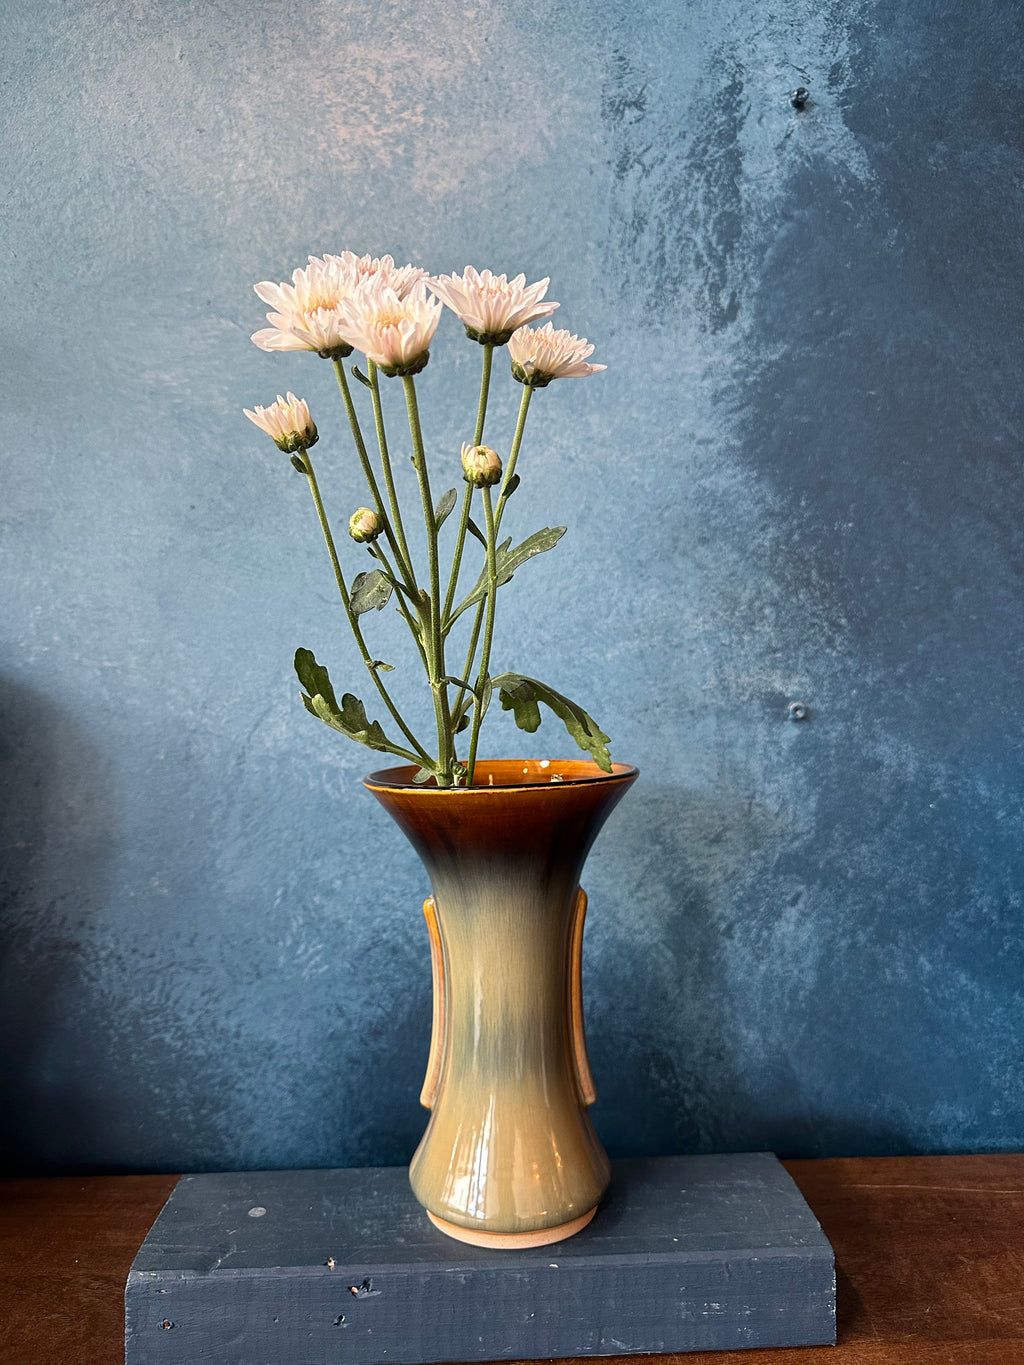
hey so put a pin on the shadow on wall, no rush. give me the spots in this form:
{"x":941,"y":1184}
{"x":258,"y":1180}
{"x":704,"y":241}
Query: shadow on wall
{"x":676,"y":1041}
{"x":54,"y":825}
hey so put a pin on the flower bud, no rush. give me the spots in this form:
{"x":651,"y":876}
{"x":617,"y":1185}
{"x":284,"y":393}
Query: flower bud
{"x":481,"y":465}
{"x":364,"y":525}
{"x":287,"y":422}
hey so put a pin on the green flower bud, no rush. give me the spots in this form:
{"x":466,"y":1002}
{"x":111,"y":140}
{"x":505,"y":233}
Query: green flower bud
{"x":364,"y":525}
{"x":481,"y":465}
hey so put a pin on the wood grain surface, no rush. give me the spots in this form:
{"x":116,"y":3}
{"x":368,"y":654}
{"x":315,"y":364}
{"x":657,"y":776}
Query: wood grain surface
{"x":930,"y":1253}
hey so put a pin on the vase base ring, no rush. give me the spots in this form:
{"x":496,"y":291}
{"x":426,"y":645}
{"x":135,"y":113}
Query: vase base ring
{"x":512,"y":1241}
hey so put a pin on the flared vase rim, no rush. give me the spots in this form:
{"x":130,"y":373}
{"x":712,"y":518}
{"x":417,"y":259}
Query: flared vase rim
{"x":526,"y":774}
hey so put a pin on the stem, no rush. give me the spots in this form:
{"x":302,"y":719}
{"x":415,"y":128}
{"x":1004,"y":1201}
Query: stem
{"x":478,"y":435}
{"x":435,"y":651}
{"x":379,"y":554}
{"x":517,"y":441}
{"x":421,"y":754}
{"x":485,"y":653}
{"x":402,"y":556}
{"x":364,"y":460}
{"x":503,"y":497}
{"x":485,"y":385}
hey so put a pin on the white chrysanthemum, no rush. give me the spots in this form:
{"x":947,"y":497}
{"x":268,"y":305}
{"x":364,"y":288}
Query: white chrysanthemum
{"x":366,"y":269}
{"x":364,"y":525}
{"x":481,"y":465}
{"x":395,"y":333}
{"x":305,"y":316}
{"x":542,"y":354}
{"x":489,"y":306}
{"x":287,"y":421}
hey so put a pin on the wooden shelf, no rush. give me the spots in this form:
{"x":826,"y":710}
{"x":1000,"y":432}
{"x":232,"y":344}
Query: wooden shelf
{"x":930,"y":1255}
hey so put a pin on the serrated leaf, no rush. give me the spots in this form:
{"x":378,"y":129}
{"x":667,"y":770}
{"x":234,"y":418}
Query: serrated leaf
{"x":349,"y":718}
{"x":508,"y":561}
{"x":370,"y":591}
{"x":521,"y":696}
{"x":357,"y":372}
{"x":313,"y":677}
{"x":445,"y":504}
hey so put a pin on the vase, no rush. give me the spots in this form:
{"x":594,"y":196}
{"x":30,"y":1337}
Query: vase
{"x":509,"y":1157}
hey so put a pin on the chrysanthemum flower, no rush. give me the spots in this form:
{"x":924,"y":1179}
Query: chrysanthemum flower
{"x":306,"y":314}
{"x":542,"y":354}
{"x":367,"y":269}
{"x":481,"y":465}
{"x":395,"y":333}
{"x":288,"y":422}
{"x":364,"y":525}
{"x":489,"y":306}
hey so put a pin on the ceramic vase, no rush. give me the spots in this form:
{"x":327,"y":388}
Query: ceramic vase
{"x":509,"y":1157}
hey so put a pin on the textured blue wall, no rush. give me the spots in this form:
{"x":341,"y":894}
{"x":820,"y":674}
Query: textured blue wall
{"x":799,"y":479}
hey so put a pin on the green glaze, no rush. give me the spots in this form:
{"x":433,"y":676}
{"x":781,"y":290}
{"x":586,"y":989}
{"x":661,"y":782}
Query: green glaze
{"x":509,"y":1148}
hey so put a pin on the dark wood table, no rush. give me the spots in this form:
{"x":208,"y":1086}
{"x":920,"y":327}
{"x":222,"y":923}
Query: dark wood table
{"x":930,"y":1254}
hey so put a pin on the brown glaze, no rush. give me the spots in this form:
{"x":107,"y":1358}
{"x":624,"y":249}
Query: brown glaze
{"x":509,"y":1148}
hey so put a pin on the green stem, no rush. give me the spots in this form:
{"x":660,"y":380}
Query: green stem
{"x":478,"y":436}
{"x":402,"y":555}
{"x":421,"y":754}
{"x":517,"y":441}
{"x":379,"y":554}
{"x":435,"y":650}
{"x":485,"y":385}
{"x":460,"y":542}
{"x":503,"y":497}
{"x":485,"y":652}
{"x":364,"y":460}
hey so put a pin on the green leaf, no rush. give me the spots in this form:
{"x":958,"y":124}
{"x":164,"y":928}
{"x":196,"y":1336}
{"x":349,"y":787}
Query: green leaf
{"x":381,"y":666}
{"x":508,"y":561}
{"x":422,"y":775}
{"x":361,"y":377}
{"x":349,"y":718}
{"x":314,"y":678}
{"x":370,"y":591}
{"x":475,"y":529}
{"x":521,"y":695}
{"x":299,"y":464}
{"x":513,"y":484}
{"x":463,"y":722}
{"x":444,"y":506}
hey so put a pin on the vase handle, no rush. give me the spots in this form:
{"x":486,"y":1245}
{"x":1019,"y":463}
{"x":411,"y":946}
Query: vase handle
{"x":584,"y":1079}
{"x":429,"y":1092}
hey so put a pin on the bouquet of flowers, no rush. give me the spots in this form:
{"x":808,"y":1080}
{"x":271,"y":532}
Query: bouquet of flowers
{"x":341,"y":304}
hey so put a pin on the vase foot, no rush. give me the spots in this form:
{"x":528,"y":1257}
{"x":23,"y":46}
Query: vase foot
{"x":512,"y":1241}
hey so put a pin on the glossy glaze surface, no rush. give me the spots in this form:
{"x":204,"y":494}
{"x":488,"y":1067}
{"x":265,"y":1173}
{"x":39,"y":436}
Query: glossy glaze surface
{"x":509,"y":1147}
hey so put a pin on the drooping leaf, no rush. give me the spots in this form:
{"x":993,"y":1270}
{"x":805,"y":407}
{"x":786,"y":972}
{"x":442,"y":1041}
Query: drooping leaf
{"x":422,"y":775}
{"x":521,"y":696}
{"x":313,"y":677}
{"x":349,"y":718}
{"x":444,"y":506}
{"x":475,"y":530}
{"x":299,"y":464}
{"x":361,"y":377}
{"x":507,"y":562}
{"x":371,"y":591}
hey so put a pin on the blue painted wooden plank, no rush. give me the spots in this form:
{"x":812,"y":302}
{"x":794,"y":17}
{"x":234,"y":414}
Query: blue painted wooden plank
{"x":319,"y":1267}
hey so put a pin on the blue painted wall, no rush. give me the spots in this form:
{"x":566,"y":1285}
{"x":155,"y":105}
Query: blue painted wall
{"x":799,"y":479}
